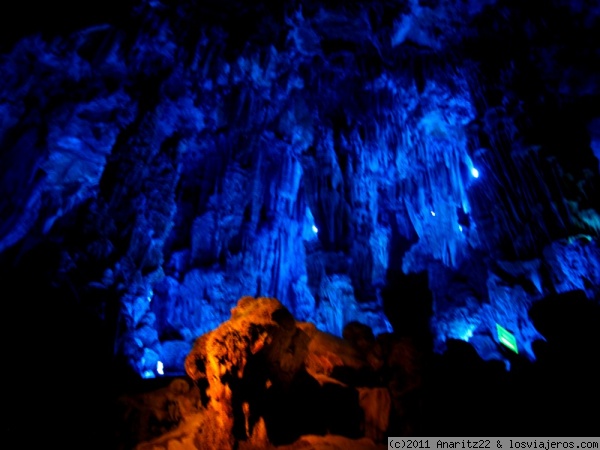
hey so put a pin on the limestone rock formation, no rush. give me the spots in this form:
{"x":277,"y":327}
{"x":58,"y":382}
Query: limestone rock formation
{"x":265,"y":381}
{"x":428,"y":168}
{"x":144,"y":416}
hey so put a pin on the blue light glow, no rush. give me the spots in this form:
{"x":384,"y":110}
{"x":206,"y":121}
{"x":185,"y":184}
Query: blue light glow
{"x":460,"y":328}
{"x":309,"y":228}
{"x":475,"y":172}
{"x":148,"y":374}
{"x":468,"y":334}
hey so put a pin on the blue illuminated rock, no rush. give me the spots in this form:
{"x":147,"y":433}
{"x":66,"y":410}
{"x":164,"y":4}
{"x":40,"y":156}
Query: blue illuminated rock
{"x":308,"y":152}
{"x":574,"y":264}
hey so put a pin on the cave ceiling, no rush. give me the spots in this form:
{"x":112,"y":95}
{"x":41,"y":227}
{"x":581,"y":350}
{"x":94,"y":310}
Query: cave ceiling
{"x":385,"y":162}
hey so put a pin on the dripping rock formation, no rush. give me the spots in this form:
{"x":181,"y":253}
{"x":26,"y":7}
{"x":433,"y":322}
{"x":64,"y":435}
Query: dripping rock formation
{"x":418,"y":171}
{"x":265,"y":380}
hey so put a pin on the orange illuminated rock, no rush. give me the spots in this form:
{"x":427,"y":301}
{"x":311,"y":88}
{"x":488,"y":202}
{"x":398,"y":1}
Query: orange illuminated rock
{"x":376,"y":404}
{"x":219,"y":358}
{"x":267,"y":381}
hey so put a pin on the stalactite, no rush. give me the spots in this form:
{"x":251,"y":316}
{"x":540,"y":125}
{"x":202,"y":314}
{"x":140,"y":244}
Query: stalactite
{"x":272,"y":128}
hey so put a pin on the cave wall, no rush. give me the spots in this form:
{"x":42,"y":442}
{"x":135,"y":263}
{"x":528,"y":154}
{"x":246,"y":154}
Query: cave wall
{"x":320,"y":153}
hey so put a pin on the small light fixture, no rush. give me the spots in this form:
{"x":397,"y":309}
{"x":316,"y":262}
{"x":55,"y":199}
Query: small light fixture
{"x":315,"y":229}
{"x":160,"y":368}
{"x":475,"y":172}
{"x":432,"y":213}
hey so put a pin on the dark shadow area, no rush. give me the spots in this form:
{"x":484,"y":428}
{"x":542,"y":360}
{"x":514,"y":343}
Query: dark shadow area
{"x":56,"y":356}
{"x":555,"y":395}
{"x":57,"y":18}
{"x":407,"y":302}
{"x":294,"y":410}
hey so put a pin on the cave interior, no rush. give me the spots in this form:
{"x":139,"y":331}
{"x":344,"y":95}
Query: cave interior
{"x":418,"y":171}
